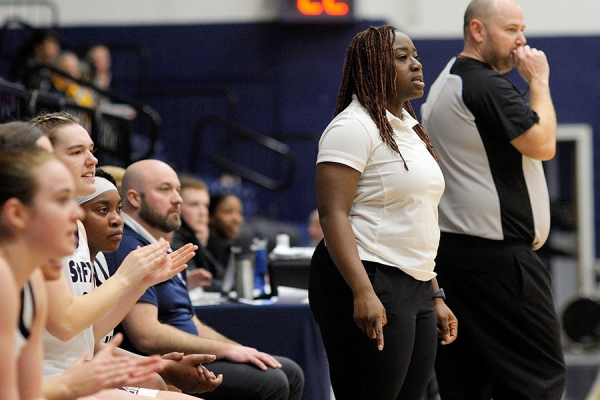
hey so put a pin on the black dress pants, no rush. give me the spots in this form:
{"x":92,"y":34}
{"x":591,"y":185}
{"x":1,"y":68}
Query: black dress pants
{"x":508,"y":345}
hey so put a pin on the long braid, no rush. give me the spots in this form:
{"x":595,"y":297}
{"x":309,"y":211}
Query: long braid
{"x":421,"y":131}
{"x":368,"y":71}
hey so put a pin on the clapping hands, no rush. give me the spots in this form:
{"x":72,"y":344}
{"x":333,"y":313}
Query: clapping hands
{"x":152,"y":264}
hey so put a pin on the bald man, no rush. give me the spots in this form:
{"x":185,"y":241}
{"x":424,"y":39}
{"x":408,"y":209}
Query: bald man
{"x":495,"y":212}
{"x":163,"y":320}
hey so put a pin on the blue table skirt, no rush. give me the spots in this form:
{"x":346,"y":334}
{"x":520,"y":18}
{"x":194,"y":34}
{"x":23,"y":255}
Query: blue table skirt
{"x":278,"y":329}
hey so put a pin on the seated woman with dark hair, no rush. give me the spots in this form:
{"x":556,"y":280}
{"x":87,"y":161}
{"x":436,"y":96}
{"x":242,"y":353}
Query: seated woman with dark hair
{"x":226,"y":217}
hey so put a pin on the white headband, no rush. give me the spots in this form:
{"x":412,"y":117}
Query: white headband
{"x":102,"y":185}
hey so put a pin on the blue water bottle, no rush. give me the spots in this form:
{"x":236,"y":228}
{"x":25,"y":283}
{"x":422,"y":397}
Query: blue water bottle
{"x":259,"y":247}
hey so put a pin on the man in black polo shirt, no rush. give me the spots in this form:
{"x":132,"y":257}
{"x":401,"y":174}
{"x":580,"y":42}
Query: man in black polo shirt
{"x":495,"y":212}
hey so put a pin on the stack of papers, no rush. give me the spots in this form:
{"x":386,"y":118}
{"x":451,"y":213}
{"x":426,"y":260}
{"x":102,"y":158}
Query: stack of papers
{"x":292,"y":252}
{"x":291,"y":295}
{"x":201,"y":298}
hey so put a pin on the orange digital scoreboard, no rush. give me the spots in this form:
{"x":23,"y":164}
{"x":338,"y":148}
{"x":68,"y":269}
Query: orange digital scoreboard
{"x":316,"y":11}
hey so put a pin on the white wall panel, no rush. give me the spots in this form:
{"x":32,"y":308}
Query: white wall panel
{"x":418,"y":18}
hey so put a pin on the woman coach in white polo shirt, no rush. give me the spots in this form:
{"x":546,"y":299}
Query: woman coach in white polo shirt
{"x":378,"y":186}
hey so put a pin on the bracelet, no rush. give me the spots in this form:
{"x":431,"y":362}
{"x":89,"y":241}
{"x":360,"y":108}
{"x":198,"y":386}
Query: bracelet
{"x":439,"y":294}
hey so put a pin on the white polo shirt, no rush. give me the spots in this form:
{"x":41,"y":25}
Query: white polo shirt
{"x":394,"y":214}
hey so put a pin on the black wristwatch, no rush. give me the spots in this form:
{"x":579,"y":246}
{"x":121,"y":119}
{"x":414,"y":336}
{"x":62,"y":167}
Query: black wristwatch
{"x":439,"y":294}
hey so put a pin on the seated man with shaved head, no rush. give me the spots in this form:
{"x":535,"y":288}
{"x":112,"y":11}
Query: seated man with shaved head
{"x":163,"y":320}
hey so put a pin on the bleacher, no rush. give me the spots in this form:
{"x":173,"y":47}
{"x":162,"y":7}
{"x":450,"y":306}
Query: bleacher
{"x":112,"y":133}
{"x":201,"y":120}
{"x":119,"y":139}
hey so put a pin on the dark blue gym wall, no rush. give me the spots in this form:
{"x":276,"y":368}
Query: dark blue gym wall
{"x":286,"y":77}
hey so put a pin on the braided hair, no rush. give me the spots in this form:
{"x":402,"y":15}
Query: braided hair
{"x":51,"y":122}
{"x":368,"y":72}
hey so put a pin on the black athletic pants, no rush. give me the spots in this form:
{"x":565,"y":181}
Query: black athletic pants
{"x":248,"y":382}
{"x":357,"y":369}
